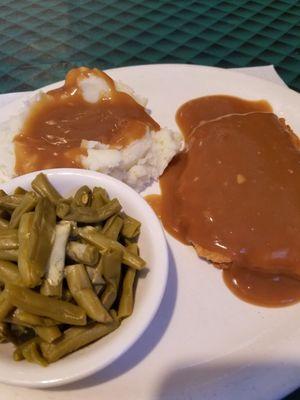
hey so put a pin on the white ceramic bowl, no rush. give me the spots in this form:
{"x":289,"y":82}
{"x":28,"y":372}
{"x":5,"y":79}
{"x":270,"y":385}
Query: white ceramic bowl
{"x":150,"y":288}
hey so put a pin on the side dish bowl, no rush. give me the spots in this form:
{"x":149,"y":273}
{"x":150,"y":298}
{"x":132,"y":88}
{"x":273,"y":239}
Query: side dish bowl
{"x":149,"y":293}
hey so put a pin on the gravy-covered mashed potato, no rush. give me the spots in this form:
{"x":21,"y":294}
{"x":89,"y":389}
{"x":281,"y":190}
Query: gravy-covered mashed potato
{"x":90,"y":122}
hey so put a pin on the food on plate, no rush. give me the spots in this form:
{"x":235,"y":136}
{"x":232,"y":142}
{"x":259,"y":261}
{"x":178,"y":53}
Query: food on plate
{"x":234,"y":194}
{"x":71,"y":279}
{"x":89,"y":122}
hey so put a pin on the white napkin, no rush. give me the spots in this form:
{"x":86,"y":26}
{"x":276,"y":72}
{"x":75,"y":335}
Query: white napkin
{"x":267,"y":72}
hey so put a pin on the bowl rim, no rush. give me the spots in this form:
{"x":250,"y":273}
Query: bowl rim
{"x":155,"y":304}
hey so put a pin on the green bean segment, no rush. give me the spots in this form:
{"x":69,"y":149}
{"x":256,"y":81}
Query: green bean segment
{"x":91,"y":215}
{"x":44,"y":306}
{"x":82,"y":253}
{"x":104,"y":243}
{"x":82,"y":291}
{"x":9,"y":255}
{"x":44,"y":188}
{"x":27,"y":204}
{"x":76,"y":338}
{"x":9,"y":239}
{"x":68,"y":269}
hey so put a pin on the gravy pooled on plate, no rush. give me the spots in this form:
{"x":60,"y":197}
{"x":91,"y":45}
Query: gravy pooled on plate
{"x":234,"y":194}
{"x":87,"y":107}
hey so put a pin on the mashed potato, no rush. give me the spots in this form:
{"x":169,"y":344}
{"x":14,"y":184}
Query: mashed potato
{"x":137,"y":164}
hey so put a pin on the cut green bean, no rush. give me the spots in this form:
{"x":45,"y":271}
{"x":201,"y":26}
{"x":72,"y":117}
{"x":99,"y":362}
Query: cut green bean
{"x":18,"y":353}
{"x":48,"y":333}
{"x":9,"y":255}
{"x":27,"y":204}
{"x":84,"y":295}
{"x":131,"y":227}
{"x":82,"y":253}
{"x":25,"y":264}
{"x":9,"y":239}
{"x":126,"y":302}
{"x":111,"y":273}
{"x":20,"y":190}
{"x":11,"y":202}
{"x":9,"y":273}
{"x":42,"y":234}
{"x":44,"y":188}
{"x":21,"y":317}
{"x":83,"y":197}
{"x":31,"y":353}
{"x":91,"y":215}
{"x":112,"y":227}
{"x":104,"y":243}
{"x":63,"y":207}
{"x":99,"y":198}
{"x":5,"y":305}
{"x":44,"y":306}
{"x":75,"y":338}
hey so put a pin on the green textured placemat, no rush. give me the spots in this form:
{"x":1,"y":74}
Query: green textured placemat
{"x":41,"y":40}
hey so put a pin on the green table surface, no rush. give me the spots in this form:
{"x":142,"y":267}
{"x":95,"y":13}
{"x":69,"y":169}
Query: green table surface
{"x":41,"y":40}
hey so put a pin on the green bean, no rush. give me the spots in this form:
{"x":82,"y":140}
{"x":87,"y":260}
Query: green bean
{"x":44,"y":188}
{"x":77,"y":278}
{"x":48,"y":333}
{"x":4,"y":223}
{"x":131,"y":227}
{"x":4,"y":332}
{"x":82,"y":253}
{"x":63,"y":207}
{"x":25,"y":264}
{"x":31,"y":353}
{"x":44,"y":306}
{"x":5,"y":305}
{"x":104,"y":243}
{"x":84,"y":295}
{"x":9,"y":239}
{"x":75,"y":338}
{"x":98,"y":278}
{"x":111,"y":273}
{"x":18,"y":353}
{"x":99,"y":198}
{"x":91,"y":215}
{"x":113,"y":227}
{"x":42,"y":234}
{"x":126,"y":302}
{"x":82,"y":197}
{"x":28,"y":203}
{"x":21,"y":317}
{"x":9,"y":255}
{"x":9,"y":203}
{"x":56,"y":262}
{"x":20,"y":190}
{"x":9,"y":273}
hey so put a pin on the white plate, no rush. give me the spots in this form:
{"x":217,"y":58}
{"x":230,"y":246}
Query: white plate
{"x":149,"y":293}
{"x":204,"y":343}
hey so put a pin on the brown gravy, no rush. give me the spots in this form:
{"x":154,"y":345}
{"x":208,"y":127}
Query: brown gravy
{"x":234,"y":193}
{"x":56,"y":124}
{"x":262,"y":289}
